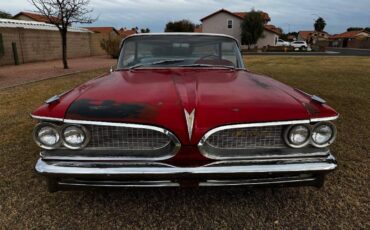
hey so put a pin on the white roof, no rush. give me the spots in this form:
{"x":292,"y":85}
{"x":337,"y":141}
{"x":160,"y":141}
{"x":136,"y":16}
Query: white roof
{"x":11,"y":23}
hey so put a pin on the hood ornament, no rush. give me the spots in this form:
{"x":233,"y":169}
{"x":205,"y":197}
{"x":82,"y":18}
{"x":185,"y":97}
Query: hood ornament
{"x":189,"y":121}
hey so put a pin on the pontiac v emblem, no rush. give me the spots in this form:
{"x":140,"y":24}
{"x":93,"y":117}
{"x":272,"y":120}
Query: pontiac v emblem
{"x":189,"y":121}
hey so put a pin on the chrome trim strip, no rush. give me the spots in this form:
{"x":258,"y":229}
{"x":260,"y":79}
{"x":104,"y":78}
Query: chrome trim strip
{"x":324,"y":119}
{"x":250,"y":125}
{"x":91,"y":168}
{"x":128,"y":184}
{"x":102,"y":123}
{"x":246,"y":182}
{"x":41,"y":118}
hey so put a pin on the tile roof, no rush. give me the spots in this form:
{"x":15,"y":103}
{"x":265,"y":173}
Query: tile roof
{"x":240,"y":15}
{"x":350,"y":34}
{"x":37,"y":17}
{"x":124,"y":32}
{"x":273,"y":29}
{"x":306,"y":34}
{"x":103,"y":29}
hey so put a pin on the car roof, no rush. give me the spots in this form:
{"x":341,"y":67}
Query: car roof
{"x":177,"y":34}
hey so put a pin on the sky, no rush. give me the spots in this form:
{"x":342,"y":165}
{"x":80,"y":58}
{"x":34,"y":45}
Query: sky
{"x":290,"y":15}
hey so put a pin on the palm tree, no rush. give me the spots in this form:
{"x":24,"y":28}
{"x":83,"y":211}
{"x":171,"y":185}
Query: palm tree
{"x":320,"y":24}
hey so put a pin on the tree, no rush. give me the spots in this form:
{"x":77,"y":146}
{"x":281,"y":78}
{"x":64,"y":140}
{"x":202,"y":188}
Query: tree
{"x":320,"y":24}
{"x":252,"y":28}
{"x":146,"y":30}
{"x":180,"y":26}
{"x":111,"y":46}
{"x":62,"y":13}
{"x":287,"y":35}
{"x":4,"y":14}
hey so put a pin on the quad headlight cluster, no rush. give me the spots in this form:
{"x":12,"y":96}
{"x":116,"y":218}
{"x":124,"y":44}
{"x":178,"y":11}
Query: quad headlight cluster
{"x":50,"y":136}
{"x":319,"y":135}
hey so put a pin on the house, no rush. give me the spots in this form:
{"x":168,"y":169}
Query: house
{"x":31,"y":16}
{"x":226,"y":22}
{"x":123,"y":32}
{"x":106,"y":30}
{"x":351,"y":39}
{"x":198,"y":29}
{"x":312,"y":37}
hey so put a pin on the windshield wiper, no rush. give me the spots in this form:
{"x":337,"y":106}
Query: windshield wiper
{"x":207,"y":65}
{"x":135,"y":66}
{"x":156,"y":63}
{"x":167,"y":61}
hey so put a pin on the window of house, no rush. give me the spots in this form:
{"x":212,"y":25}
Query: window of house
{"x":229,"y":23}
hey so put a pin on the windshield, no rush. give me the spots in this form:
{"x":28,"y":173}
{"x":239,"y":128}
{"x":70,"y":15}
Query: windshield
{"x":180,"y":51}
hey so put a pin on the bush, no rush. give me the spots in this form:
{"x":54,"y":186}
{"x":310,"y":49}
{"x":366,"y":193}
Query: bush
{"x":111,"y":46}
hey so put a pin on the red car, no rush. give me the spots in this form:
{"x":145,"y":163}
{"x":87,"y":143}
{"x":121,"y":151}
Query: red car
{"x":182,"y":110}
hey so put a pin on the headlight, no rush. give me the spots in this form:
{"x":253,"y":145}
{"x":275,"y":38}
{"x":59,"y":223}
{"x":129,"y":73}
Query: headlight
{"x":297,"y":136}
{"x":75,"y":137}
{"x":323,"y":134}
{"x":47,"y":136}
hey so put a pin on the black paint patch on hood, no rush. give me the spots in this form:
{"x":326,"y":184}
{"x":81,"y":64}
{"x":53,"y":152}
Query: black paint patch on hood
{"x":104,"y":109}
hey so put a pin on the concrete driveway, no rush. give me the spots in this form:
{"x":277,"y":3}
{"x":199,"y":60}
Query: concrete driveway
{"x":12,"y":75}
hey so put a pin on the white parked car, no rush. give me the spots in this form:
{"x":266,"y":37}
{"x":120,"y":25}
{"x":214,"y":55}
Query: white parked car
{"x":302,"y":45}
{"x":281,"y":42}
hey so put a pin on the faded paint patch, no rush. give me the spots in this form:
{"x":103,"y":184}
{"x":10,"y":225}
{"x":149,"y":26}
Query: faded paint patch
{"x":105,"y":109}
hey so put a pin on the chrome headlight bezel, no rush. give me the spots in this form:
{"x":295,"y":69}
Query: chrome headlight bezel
{"x":42,"y":145}
{"x":331,"y":139}
{"x":287,"y":134}
{"x":81,"y":128}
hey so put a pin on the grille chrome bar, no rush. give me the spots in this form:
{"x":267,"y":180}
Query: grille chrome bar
{"x":109,"y":137}
{"x":247,"y":138}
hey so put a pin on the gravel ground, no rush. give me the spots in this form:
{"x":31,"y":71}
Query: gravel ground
{"x":14,"y":75}
{"x":343,"y":203}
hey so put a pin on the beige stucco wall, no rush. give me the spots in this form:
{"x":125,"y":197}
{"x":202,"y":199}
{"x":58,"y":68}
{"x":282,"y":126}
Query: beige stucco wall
{"x":218,"y":24}
{"x":268,"y":39}
{"x":41,"y":45}
{"x":95,"y":40}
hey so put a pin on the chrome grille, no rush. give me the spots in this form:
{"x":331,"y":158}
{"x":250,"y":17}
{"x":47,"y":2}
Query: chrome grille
{"x":126,"y":138}
{"x":247,"y":138}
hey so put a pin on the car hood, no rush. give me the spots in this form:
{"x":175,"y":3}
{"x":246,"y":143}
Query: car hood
{"x":165,"y":97}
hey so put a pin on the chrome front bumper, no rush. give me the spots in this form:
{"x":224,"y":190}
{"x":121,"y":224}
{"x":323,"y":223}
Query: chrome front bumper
{"x":288,"y":171}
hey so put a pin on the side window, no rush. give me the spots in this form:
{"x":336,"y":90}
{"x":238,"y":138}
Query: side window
{"x":230,"y":24}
